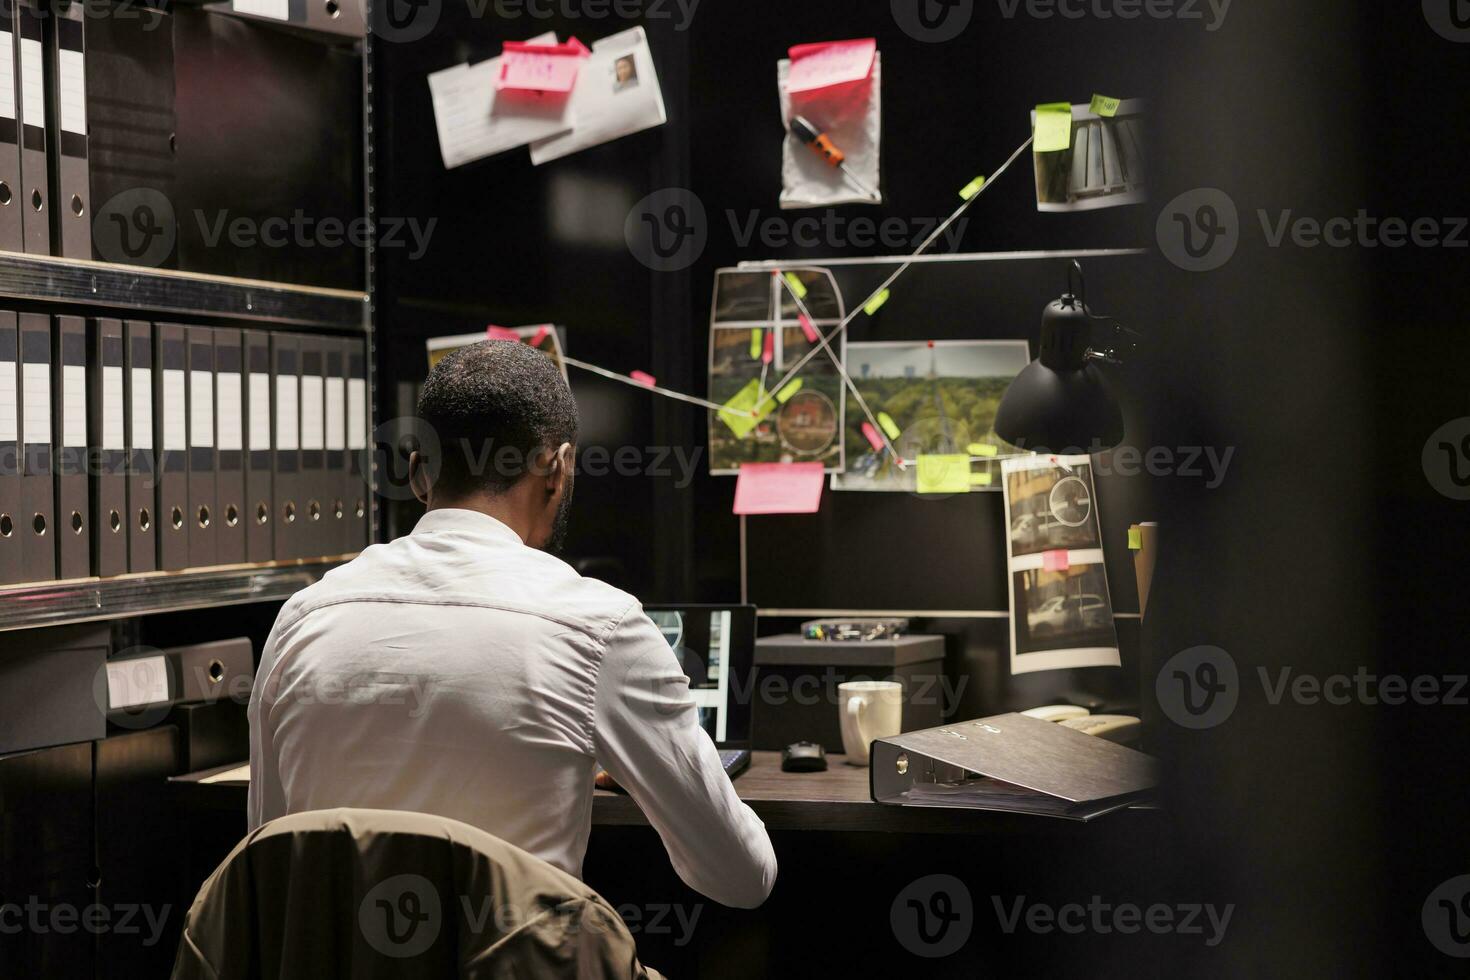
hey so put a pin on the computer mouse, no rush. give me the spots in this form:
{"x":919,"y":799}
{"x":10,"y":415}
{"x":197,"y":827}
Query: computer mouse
{"x":803,"y":757}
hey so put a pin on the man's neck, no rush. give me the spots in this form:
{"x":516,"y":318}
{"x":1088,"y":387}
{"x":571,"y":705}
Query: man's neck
{"x":505,"y":508}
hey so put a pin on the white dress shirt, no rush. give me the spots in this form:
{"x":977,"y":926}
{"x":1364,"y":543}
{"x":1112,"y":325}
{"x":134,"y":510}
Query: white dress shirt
{"x":457,"y":672}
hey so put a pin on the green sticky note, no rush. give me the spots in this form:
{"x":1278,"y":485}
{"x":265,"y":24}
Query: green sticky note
{"x":982,"y":449}
{"x":1135,"y":538}
{"x":755,"y":344}
{"x":876,"y":303}
{"x":889,"y":426}
{"x":1053,"y":127}
{"x":972,"y":188}
{"x":980,"y":479}
{"x":1104,"y":106}
{"x":946,"y":473}
{"x":745,"y":401}
{"x":792,"y":387}
{"x":796,"y":285}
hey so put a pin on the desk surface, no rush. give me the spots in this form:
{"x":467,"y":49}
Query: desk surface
{"x":833,"y":801}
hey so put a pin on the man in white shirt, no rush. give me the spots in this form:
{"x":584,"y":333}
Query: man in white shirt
{"x":464,"y":671}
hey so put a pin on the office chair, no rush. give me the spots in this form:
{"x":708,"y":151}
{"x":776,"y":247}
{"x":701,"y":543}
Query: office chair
{"x":380,"y":893}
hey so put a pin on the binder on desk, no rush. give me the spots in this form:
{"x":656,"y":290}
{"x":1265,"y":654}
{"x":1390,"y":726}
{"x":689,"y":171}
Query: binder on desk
{"x":359,"y":466}
{"x":142,"y":479}
{"x":35,"y":179}
{"x":11,"y":538}
{"x":73,"y":508}
{"x":38,"y":485}
{"x":259,"y":510}
{"x":338,"y":537}
{"x":11,"y":237}
{"x":203,"y":511}
{"x":229,"y":447}
{"x":72,"y":206}
{"x":109,"y":452}
{"x":313,"y":448}
{"x":171,"y":442}
{"x":286,"y":461}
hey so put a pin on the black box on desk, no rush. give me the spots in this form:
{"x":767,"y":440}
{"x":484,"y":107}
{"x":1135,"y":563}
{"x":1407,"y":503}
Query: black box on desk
{"x":795,"y":685}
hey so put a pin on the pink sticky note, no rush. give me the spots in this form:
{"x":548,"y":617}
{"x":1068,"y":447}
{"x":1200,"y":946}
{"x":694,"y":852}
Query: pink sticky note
{"x":1055,"y":561}
{"x":871,"y":434}
{"x":768,"y":352}
{"x":492,"y":332}
{"x":808,"y":328}
{"x":815,"y":66}
{"x":540,"y":67}
{"x":779,"y":488}
{"x":542,"y":332}
{"x":643,"y":378}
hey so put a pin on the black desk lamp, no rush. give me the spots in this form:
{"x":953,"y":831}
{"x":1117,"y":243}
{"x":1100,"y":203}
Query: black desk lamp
{"x":1061,"y":401}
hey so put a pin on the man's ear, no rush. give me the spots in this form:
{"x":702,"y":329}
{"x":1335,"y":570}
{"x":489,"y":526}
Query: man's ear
{"x":418,"y":476}
{"x":559,"y":468}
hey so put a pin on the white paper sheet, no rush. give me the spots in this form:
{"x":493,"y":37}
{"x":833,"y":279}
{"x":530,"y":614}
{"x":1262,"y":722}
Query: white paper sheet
{"x":311,"y":412}
{"x":7,"y":75}
{"x":356,"y":413}
{"x":336,"y":415}
{"x":175,"y":417}
{"x":112,"y":408}
{"x":142,"y":408}
{"x":260,"y":411}
{"x":9,"y":409}
{"x":131,"y":683}
{"x":74,"y":406}
{"x":32,"y":83}
{"x":608,"y":101}
{"x":36,"y":401}
{"x":201,"y":408}
{"x":288,"y":426}
{"x":230,"y":411}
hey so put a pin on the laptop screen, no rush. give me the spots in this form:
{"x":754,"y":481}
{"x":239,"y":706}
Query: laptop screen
{"x":715,"y":647}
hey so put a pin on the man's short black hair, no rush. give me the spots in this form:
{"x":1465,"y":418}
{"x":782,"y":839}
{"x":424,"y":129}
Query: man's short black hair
{"x":493,"y":406}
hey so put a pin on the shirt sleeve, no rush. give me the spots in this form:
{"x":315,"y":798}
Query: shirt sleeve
{"x":267,"y":798}
{"x":647,"y":735}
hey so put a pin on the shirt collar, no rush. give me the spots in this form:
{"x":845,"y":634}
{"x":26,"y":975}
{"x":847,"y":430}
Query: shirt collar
{"x":465,"y":521}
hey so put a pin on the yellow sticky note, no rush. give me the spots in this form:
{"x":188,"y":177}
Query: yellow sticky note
{"x":980,"y":479}
{"x":1104,"y":106}
{"x":876,"y":303}
{"x":982,"y":449}
{"x":1135,"y":538}
{"x":945,"y":473}
{"x":1053,"y":127}
{"x":792,"y":387}
{"x":889,"y":426}
{"x":796,"y":285}
{"x":755,"y":344}
{"x":972,"y":188}
{"x":745,"y":401}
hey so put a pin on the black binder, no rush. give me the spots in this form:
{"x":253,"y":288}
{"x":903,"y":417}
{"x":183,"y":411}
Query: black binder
{"x":11,"y":537}
{"x":138,"y":393}
{"x":313,"y":448}
{"x":338,"y":536}
{"x":72,"y":208}
{"x":171,"y":444}
{"x":203,"y":510}
{"x":229,"y":422}
{"x":73,"y":507}
{"x":108,"y":447}
{"x":38,"y":485}
{"x":30,"y":77}
{"x":259,"y":510}
{"x":286,"y":472}
{"x":359,"y":458}
{"x":11,"y":237}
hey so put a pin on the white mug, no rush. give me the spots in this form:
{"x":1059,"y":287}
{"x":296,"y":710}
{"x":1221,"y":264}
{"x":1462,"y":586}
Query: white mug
{"x":868,"y":710}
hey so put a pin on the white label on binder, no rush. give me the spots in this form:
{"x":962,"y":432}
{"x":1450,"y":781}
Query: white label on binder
{"x":356,"y":413}
{"x":142,"y":408}
{"x":7,"y":75}
{"x":36,"y":403}
{"x":74,"y":405}
{"x":336,"y":416}
{"x":131,"y":683}
{"x":274,"y":9}
{"x":311,"y":412}
{"x":201,"y":409}
{"x":32,"y":83}
{"x":73,"y":92}
{"x":9,"y":411}
{"x":112,"y":408}
{"x":230,"y":422}
{"x":260,"y":411}
{"x":287,"y":432}
{"x":175,"y":421}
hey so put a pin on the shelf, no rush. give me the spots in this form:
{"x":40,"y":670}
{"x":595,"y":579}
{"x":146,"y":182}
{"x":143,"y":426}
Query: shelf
{"x":165,"y":291}
{"x":88,"y":600}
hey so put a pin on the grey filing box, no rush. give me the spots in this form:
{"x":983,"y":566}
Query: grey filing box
{"x":795,"y":686}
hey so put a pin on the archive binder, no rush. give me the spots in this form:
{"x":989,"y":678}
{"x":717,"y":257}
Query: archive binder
{"x":73,"y":510}
{"x":202,"y":508}
{"x":229,"y":447}
{"x":313,"y":448}
{"x":108,"y":447}
{"x":359,"y":467}
{"x":34,"y":170}
{"x":286,"y":468}
{"x":68,"y":82}
{"x":335,"y":504}
{"x":11,"y":236}
{"x":38,"y":487}
{"x":138,"y":393}
{"x":171,"y":439}
{"x":259,"y":510}
{"x":11,"y":538}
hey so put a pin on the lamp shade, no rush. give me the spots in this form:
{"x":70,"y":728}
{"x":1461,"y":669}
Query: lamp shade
{"x":1060,"y":401}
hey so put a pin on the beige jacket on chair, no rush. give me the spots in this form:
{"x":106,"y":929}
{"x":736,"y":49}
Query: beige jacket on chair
{"x":378,"y":893}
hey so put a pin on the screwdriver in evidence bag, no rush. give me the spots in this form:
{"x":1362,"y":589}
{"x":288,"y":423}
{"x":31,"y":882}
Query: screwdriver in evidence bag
{"x":821,"y":144}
